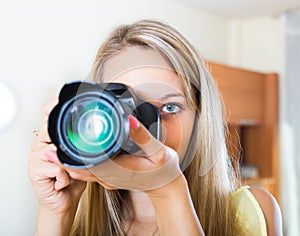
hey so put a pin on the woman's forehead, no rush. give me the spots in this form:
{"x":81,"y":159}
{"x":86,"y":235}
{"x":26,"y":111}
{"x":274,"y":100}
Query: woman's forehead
{"x":144,"y":70}
{"x":151,"y":83}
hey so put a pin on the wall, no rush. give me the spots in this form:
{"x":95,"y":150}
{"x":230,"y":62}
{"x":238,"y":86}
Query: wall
{"x":43,"y":44}
{"x":290,"y":131}
{"x":257,"y":44}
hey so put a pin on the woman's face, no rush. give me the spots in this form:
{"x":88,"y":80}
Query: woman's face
{"x":162,"y":88}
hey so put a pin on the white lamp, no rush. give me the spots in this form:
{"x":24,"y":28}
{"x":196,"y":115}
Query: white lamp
{"x":7,"y":106}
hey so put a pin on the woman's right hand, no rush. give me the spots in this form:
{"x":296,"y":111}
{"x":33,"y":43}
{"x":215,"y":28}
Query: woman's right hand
{"x":57,"y":192}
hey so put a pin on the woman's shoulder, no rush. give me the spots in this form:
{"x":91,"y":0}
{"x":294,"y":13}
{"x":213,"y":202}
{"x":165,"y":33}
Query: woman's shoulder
{"x":271,"y":210}
{"x":255,"y":206}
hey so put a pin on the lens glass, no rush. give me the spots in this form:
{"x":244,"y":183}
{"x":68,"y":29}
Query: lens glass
{"x":92,"y":126}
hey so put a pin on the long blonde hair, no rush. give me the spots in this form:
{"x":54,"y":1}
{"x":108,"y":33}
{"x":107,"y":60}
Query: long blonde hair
{"x":207,"y":166}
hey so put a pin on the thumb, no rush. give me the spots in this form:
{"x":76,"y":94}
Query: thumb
{"x":143,"y":138}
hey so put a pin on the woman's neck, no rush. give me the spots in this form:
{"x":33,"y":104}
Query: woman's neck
{"x":142,"y":207}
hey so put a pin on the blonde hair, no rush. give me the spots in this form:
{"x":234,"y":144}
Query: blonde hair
{"x":207,"y":166}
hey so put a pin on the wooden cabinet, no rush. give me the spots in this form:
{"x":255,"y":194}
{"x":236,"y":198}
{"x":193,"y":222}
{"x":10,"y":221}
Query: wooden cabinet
{"x":251,"y":104}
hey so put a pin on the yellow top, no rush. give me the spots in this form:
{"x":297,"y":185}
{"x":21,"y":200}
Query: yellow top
{"x":249,"y":212}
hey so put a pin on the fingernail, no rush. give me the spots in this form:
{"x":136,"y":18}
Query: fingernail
{"x":134,"y":123}
{"x":49,"y":157}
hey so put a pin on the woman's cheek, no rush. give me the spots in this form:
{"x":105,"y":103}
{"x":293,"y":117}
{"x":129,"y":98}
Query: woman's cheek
{"x":177,"y":131}
{"x":172,"y":133}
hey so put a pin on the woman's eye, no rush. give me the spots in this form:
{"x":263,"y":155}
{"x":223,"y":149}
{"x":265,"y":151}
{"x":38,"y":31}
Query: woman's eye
{"x":170,"y":108}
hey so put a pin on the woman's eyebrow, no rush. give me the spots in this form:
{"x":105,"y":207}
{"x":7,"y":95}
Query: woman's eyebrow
{"x":171,"y":95}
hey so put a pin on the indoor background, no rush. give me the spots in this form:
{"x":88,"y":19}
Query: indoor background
{"x":46,"y":43}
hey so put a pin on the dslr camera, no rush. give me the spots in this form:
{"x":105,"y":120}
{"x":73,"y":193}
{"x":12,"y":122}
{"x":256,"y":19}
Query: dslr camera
{"x":90,"y":122}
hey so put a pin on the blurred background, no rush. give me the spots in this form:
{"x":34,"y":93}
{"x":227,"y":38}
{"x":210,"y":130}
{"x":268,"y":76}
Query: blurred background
{"x":46,"y":43}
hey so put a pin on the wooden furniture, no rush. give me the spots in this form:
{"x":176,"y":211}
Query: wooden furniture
{"x":251,"y":104}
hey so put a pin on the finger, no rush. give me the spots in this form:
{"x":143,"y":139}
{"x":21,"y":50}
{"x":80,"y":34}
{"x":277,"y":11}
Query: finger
{"x":38,"y":155}
{"x":59,"y":176}
{"x":44,"y":168}
{"x":43,"y":134}
{"x":51,"y":156}
{"x":46,"y":153}
{"x":62,"y":179}
{"x":36,"y":144}
{"x":143,"y":138}
{"x":38,"y":149}
{"x":44,"y":139}
{"x":79,"y":174}
{"x":40,"y":171}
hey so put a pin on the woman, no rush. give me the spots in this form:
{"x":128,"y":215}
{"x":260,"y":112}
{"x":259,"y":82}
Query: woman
{"x":197,"y":196}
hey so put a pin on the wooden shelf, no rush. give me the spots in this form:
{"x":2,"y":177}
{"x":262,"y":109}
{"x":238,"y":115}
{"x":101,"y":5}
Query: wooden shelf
{"x":251,"y":104}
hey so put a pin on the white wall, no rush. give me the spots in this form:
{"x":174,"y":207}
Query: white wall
{"x":44,"y":44}
{"x":257,"y":44}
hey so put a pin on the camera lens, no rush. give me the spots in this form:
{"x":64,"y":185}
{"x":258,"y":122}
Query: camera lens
{"x":93,"y":127}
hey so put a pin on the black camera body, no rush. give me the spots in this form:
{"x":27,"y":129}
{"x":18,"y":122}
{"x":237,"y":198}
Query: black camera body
{"x":90,"y":122}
